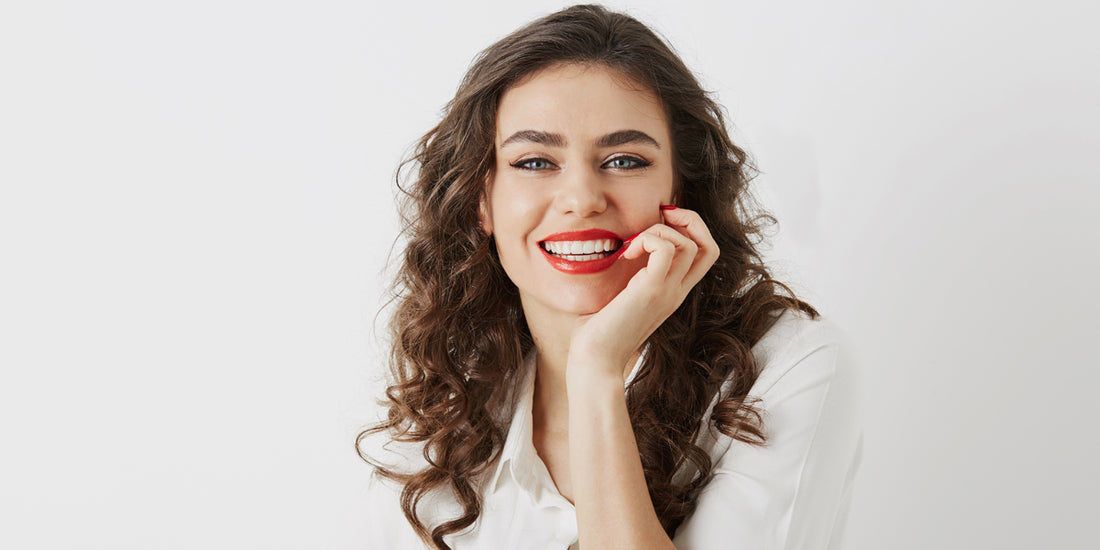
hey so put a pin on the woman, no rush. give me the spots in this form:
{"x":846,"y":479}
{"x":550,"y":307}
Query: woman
{"x":588,"y":350}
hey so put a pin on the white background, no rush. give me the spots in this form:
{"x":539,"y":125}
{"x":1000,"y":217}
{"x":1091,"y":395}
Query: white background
{"x":197,"y":205}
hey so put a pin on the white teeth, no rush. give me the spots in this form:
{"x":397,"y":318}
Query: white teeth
{"x":575,"y":248}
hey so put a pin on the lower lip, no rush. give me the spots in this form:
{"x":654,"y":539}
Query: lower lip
{"x":582,"y":268}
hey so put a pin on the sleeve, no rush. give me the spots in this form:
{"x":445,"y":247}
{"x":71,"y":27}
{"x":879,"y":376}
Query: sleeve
{"x":387,"y":527}
{"x":382,"y":514}
{"x":793,"y":493}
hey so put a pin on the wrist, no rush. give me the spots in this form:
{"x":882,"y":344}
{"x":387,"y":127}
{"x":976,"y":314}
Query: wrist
{"x":595,"y":406}
{"x":592,"y":377}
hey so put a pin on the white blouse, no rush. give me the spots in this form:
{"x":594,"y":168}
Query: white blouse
{"x":791,"y":494}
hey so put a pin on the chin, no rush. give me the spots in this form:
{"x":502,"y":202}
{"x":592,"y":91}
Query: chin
{"x":586,"y":308}
{"x":576,"y":296}
{"x":585,"y":303}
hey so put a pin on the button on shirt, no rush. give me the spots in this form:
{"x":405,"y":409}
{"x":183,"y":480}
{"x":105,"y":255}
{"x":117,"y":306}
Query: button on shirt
{"x":791,"y":494}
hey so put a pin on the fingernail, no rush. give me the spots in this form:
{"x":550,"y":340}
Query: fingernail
{"x":626,"y":243}
{"x":668,"y":207}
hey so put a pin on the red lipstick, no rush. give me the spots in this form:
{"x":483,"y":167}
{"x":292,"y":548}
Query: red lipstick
{"x":584,"y":267}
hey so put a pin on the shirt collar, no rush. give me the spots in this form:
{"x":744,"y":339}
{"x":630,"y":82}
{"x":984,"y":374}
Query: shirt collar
{"x":518,"y":444}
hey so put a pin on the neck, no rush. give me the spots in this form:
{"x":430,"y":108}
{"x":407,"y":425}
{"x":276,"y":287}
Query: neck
{"x":551,"y":332}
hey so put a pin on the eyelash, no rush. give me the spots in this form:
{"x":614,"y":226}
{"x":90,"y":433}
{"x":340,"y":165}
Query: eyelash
{"x":638,"y":163}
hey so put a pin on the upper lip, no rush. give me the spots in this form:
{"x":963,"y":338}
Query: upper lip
{"x":582,"y":235}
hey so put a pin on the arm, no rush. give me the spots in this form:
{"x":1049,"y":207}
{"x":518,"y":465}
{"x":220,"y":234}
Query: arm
{"x":612,"y":500}
{"x":610,"y":493}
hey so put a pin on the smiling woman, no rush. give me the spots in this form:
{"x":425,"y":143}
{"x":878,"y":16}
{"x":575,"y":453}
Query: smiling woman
{"x":588,"y":348}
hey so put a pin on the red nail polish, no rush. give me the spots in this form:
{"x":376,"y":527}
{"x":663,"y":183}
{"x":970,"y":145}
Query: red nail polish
{"x":668,"y":207}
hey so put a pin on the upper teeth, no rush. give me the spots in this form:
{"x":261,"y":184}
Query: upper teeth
{"x":580,"y":247}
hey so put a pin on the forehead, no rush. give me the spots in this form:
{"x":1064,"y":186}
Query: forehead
{"x":580,"y":102}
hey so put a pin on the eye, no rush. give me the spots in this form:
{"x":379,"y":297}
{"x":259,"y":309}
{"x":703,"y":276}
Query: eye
{"x":532,"y":164}
{"x":626,"y":163}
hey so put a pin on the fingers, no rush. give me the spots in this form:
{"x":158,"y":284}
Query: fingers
{"x":672,"y":254}
{"x":691,"y":224}
{"x":677,"y":255}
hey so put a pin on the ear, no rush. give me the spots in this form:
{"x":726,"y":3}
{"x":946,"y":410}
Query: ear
{"x":483,"y":214}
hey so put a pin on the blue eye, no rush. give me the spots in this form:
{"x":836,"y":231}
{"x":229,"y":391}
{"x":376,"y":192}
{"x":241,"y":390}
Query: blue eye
{"x":532,"y":164}
{"x":626,"y":163}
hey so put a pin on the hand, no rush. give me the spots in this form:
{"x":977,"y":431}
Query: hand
{"x":681,"y":250}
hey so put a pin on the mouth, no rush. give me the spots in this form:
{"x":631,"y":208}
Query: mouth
{"x":582,"y":252}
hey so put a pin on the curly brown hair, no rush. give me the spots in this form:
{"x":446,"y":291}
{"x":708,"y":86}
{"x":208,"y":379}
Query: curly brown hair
{"x":459,"y":333}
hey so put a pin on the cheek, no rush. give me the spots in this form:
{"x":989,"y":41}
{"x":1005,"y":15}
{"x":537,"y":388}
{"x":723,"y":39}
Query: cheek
{"x":642,"y":203}
{"x":658,"y":185}
{"x":514,"y":211}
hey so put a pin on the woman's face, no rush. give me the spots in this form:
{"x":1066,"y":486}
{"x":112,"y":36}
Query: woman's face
{"x":583,"y":161}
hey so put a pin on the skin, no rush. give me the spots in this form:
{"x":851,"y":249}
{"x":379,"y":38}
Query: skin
{"x":589,"y":329}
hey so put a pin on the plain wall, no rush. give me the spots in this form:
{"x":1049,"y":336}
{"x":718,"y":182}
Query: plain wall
{"x":196,"y":206}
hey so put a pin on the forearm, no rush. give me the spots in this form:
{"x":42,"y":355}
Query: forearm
{"x":609,"y":489}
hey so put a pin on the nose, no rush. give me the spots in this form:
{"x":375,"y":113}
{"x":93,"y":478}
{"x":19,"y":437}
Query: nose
{"x":581,"y":193}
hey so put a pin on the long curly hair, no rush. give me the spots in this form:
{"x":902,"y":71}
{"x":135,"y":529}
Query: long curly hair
{"x":459,"y":333}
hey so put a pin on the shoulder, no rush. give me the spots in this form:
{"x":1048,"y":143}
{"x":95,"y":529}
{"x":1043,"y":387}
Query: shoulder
{"x":385,"y":517}
{"x":800,"y":346}
{"x":806,"y":373}
{"x":800,"y":482}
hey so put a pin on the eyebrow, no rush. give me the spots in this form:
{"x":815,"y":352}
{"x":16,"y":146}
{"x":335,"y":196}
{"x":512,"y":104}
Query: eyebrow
{"x":614,"y":139}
